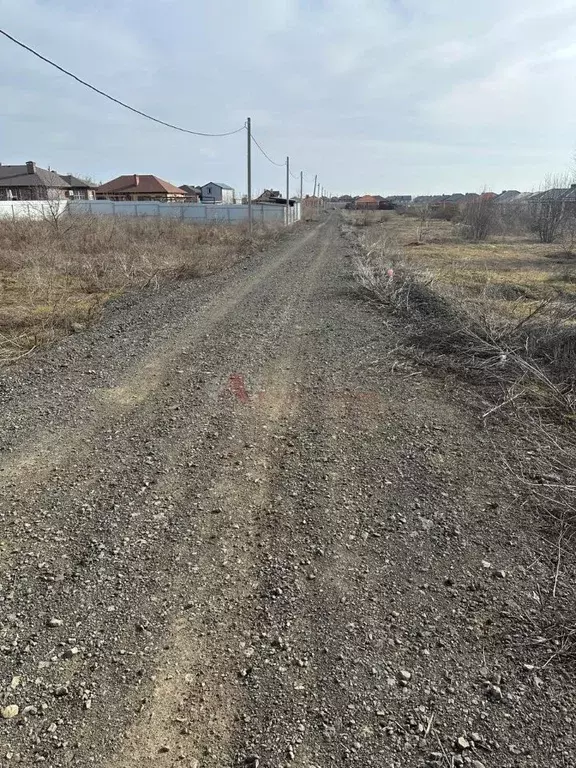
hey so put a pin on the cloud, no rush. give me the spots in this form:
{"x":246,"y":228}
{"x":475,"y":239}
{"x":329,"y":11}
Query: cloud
{"x":386,"y":96}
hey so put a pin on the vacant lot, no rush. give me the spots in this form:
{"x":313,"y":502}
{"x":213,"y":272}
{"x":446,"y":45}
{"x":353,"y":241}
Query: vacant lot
{"x":55,"y":275}
{"x":513,"y":273}
{"x":505,"y":305}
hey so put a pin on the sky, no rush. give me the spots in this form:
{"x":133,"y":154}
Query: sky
{"x":373,"y":96}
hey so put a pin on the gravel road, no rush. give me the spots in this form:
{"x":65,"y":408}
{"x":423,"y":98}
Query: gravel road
{"x":238,"y":530}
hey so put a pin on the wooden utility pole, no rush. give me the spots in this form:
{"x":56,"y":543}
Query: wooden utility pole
{"x":249,"y":173}
{"x":315,"y":180}
{"x":301,"y":186}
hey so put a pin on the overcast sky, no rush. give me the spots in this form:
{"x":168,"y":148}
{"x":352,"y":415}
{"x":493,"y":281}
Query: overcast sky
{"x":381,"y":96}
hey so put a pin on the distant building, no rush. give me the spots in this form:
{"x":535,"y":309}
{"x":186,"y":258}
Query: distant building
{"x":400,"y":199}
{"x":215,"y":192}
{"x":428,"y":199}
{"x":268,"y":196}
{"x":29,"y":182}
{"x":507,"y":196}
{"x":192,"y":193}
{"x":79,"y":188}
{"x":367,"y":202}
{"x":139,"y":187}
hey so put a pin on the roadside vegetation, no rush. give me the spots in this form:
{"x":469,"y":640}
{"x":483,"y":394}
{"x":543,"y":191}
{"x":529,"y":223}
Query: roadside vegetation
{"x":56,"y":274}
{"x":503,"y":307}
{"x":485,"y":296}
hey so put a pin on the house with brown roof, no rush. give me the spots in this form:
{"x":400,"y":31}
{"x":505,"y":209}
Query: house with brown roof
{"x":373,"y":203}
{"x":140,"y":187}
{"x":367,"y":202}
{"x":29,"y":182}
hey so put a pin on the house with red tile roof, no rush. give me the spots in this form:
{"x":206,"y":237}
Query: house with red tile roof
{"x":139,"y":187}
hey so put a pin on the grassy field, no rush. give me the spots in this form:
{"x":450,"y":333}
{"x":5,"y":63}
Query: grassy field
{"x":513,"y":273}
{"x":504,"y":307}
{"x":56,"y":275}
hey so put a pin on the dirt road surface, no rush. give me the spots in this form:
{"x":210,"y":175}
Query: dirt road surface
{"x":236,"y":531}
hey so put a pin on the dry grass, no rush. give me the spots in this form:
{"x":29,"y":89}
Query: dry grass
{"x":366,"y":218}
{"x":55,"y":275}
{"x":503,"y":312}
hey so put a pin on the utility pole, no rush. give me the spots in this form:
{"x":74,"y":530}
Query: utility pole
{"x":315,"y":179}
{"x":287,"y":191}
{"x":301,"y":186}
{"x":249,"y":174}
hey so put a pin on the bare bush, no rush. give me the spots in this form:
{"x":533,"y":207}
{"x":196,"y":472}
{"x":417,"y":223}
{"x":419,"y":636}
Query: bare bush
{"x":568,"y":230}
{"x":549,"y":213}
{"x":478,"y":218}
{"x":546,"y":217}
{"x":535,"y":355}
{"x":423,"y":226}
{"x":512,"y":219}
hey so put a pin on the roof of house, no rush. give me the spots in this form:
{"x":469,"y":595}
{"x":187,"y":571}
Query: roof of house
{"x":507,"y":196}
{"x":524,"y":196}
{"x":18,"y":176}
{"x":217,"y":184}
{"x":550,"y":194}
{"x":267,"y":196}
{"x":74,"y":181}
{"x":571,"y":193}
{"x":367,"y":199}
{"x":189,"y":189}
{"x":142,"y":184}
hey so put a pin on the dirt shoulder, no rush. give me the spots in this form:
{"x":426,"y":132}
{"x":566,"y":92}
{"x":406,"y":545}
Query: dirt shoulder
{"x":238,"y":528}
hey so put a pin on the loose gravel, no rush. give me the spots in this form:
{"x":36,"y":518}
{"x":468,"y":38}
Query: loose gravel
{"x":236,"y":530}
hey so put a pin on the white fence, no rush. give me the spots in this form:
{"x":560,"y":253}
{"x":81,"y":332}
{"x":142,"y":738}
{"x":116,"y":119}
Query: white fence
{"x":198,"y":212}
{"x":35,"y":209}
{"x":193,"y":212}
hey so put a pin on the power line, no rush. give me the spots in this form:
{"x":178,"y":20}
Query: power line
{"x":280,"y":165}
{"x":111,"y":98}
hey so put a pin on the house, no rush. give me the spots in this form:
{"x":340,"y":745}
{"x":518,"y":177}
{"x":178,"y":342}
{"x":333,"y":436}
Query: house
{"x":424,"y":200}
{"x":214,"y":192}
{"x":140,"y":187}
{"x":400,"y":200}
{"x":268,"y":196}
{"x":454,"y":199}
{"x":507,"y":196}
{"x":29,"y":182}
{"x":570,"y":196}
{"x":367,"y":202}
{"x":79,"y":188}
{"x":192,"y":193}
{"x":549,"y":195}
